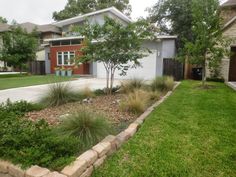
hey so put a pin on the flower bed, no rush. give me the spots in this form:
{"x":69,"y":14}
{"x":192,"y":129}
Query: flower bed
{"x":110,"y":106}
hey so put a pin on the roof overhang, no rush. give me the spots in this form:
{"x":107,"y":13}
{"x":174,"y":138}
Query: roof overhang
{"x":83,"y":17}
{"x":64,"y":38}
{"x":166,"y":37}
{"x":229,"y":23}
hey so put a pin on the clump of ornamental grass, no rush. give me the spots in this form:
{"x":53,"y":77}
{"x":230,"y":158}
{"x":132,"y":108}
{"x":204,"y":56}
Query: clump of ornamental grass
{"x":88,"y":127}
{"x":165,"y":83}
{"x":60,"y":93}
{"x":87,"y":92}
{"x":135,"y":102}
{"x":131,"y":85}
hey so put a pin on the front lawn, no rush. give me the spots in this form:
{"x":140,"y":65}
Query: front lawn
{"x":193,"y":133}
{"x":23,"y":81}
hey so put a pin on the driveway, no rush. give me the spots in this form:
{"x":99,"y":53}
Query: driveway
{"x":232,"y":85}
{"x":34,"y":93}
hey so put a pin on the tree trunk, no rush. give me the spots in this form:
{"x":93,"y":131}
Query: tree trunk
{"x":107,"y":80}
{"x":112,"y":80}
{"x":204,"y":73}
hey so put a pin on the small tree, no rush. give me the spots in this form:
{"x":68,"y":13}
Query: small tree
{"x":19,"y":47}
{"x":116,"y":45}
{"x":209,"y":46}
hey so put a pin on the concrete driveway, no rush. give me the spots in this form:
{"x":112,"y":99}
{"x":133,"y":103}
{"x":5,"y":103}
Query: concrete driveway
{"x":34,"y":93}
{"x":232,"y":85}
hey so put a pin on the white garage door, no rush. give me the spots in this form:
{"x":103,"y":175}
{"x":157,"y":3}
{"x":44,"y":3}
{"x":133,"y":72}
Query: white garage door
{"x":146,"y":71}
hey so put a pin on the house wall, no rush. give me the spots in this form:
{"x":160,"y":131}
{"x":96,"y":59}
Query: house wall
{"x":151,"y":65}
{"x":82,"y":69}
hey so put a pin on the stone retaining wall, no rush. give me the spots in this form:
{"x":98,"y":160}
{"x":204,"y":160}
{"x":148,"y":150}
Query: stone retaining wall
{"x":84,"y":165}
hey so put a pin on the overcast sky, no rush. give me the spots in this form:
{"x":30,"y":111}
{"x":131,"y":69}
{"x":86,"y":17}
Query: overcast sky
{"x":40,"y":11}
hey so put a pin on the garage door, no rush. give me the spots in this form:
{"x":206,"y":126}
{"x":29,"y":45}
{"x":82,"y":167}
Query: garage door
{"x":146,"y":71}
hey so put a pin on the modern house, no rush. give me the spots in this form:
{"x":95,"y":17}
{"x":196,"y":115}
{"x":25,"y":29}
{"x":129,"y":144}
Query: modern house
{"x":228,"y":67}
{"x":60,"y":51}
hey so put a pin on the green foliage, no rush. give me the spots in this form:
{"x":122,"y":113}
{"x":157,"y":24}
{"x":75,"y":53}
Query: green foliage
{"x":174,"y":18}
{"x":88,"y":127}
{"x":27,"y":143}
{"x":165,"y":83}
{"x":60,"y":93}
{"x":118,"y":46}
{"x":18,"y":47}
{"x":87,"y":92}
{"x":79,"y":7}
{"x":3,"y":20}
{"x":19,"y":108}
{"x":209,"y":46}
{"x":131,"y":85}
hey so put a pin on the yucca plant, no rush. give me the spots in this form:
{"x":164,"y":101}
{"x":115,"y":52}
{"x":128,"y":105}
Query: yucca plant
{"x":60,"y":93}
{"x":89,"y":127}
{"x":131,"y":85}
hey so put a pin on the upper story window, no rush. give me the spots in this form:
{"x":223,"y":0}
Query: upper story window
{"x":65,"y":58}
{"x":66,"y":42}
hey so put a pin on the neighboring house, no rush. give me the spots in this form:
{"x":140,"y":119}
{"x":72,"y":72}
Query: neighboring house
{"x":59,"y":51}
{"x":228,"y":69}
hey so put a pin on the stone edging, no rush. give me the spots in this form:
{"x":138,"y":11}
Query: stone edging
{"x":84,"y":165}
{"x":231,"y":85}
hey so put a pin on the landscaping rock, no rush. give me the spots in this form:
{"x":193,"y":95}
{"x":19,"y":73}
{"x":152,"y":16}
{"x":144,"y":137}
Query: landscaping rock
{"x":132,"y":129}
{"x":99,"y":162}
{"x":16,"y":171}
{"x":111,"y":139}
{"x":36,"y":171}
{"x":89,"y":156}
{"x":54,"y":174}
{"x":88,"y":172}
{"x":102,"y":148}
{"x":4,"y":166}
{"x":75,"y":169}
{"x":5,"y":175}
{"x":121,"y":138}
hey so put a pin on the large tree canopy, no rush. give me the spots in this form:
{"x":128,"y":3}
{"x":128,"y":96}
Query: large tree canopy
{"x":79,"y":7}
{"x":174,"y":17}
{"x":18,"y":47}
{"x":209,"y":45}
{"x":115,"y":45}
{"x":3,"y":20}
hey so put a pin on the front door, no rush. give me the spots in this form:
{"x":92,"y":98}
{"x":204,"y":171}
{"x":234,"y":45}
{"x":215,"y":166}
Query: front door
{"x":232,"y":65}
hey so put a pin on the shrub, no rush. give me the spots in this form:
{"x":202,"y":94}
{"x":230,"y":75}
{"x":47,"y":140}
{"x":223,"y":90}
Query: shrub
{"x":131,"y":85}
{"x":87,"y":92}
{"x":87,"y":126}
{"x":99,"y":92}
{"x":29,"y":143}
{"x":135,"y":102}
{"x":19,"y":107}
{"x":164,"y":83}
{"x":60,"y":93}
{"x":154,"y":95}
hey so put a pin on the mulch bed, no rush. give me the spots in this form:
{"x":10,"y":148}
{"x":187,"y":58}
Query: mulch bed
{"x":105,"y":105}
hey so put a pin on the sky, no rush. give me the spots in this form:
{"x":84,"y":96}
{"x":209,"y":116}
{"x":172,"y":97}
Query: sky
{"x":40,"y":11}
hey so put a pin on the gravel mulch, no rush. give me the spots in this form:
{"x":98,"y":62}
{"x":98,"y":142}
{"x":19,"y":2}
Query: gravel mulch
{"x":106,"y":105}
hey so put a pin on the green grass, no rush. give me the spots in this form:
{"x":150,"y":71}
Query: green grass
{"x":192,"y":134}
{"x":14,"y":82}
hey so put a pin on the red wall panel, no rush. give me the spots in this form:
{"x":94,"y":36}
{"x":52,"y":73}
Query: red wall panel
{"x":82,"y":69}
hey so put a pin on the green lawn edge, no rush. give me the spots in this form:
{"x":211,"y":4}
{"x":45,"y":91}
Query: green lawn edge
{"x":193,"y":133}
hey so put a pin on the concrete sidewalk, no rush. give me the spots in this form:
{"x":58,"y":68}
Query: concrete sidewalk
{"x":34,"y":93}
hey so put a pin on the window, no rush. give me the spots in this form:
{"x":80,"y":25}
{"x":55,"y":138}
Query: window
{"x":65,"y":58}
{"x":66,"y":42}
{"x":56,"y":43}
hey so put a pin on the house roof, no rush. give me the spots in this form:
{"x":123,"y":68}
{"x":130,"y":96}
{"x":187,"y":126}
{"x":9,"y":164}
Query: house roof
{"x":29,"y":27}
{"x":229,"y":3}
{"x":83,"y":17}
{"x":229,"y":23}
{"x":4,"y":27}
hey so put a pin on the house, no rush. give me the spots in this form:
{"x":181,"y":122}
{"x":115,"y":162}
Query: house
{"x":228,"y":66}
{"x":44,"y":32}
{"x":59,"y":51}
